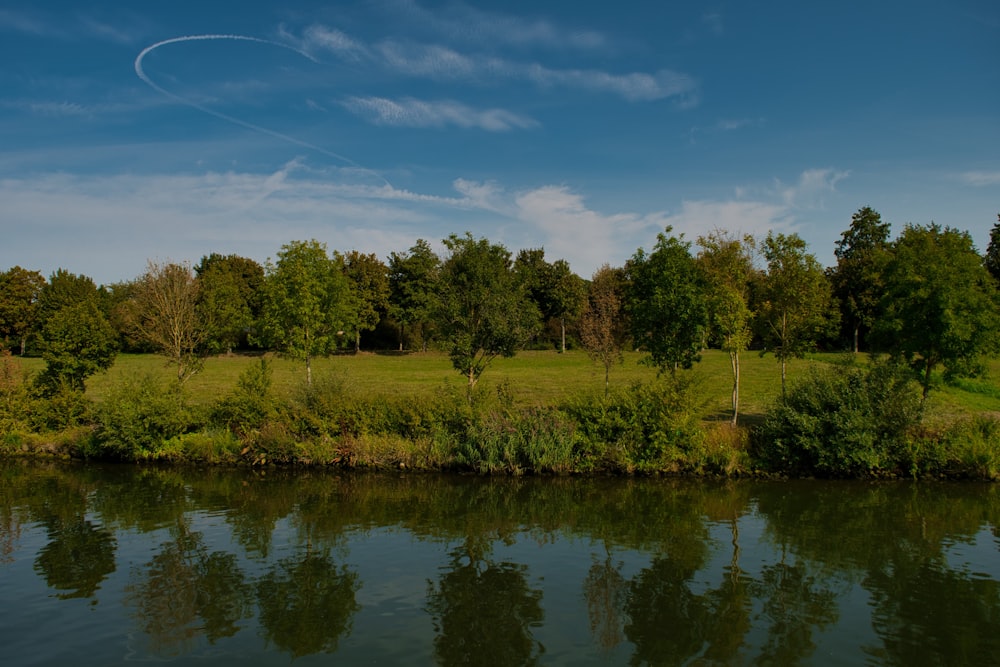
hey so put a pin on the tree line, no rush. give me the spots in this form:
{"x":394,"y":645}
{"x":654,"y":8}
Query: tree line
{"x":927,"y":297}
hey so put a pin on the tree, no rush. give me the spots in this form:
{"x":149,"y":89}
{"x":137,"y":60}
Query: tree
{"x":413,"y":279}
{"x":992,"y":259}
{"x":603,"y":325}
{"x":229,"y":290}
{"x":666,"y":303}
{"x":940,"y":303}
{"x":727,"y":265}
{"x":558,"y":293}
{"x":307,"y":303}
{"x":164,"y":313}
{"x":76,"y":342}
{"x":484,"y":311}
{"x":794,"y":307}
{"x":20,"y":290}
{"x":369,"y":278}
{"x":857,"y":280}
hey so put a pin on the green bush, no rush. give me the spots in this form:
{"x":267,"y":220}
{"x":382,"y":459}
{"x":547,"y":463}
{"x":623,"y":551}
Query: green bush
{"x":250,"y":404}
{"x":968,"y":448}
{"x":61,"y":406}
{"x":138,"y":416}
{"x":844,"y":420}
{"x":645,"y":427}
{"x":516,"y":441}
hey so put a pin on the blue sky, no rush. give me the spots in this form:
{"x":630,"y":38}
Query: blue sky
{"x":168,"y":130}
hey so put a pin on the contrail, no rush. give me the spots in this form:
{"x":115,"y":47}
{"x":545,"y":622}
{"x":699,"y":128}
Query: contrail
{"x":141,"y":73}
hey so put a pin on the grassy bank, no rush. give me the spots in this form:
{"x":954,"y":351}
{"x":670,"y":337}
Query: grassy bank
{"x":536,"y":412}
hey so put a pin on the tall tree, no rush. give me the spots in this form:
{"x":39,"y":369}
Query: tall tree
{"x":603,"y":324}
{"x":76,"y":342}
{"x":940,"y":303}
{"x":164,"y":313}
{"x":307,"y":303}
{"x":795,"y":298}
{"x":992,"y":259}
{"x":369,"y":278}
{"x":20,"y":290}
{"x":862,"y":252}
{"x":666,"y":303}
{"x":558,"y":293}
{"x":484,"y":311}
{"x":413,"y":281}
{"x":229,"y":290}
{"x":727,"y":264}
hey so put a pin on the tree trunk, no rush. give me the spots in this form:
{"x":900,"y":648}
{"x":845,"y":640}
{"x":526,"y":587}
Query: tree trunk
{"x":734,"y":358}
{"x":401,"y":336}
{"x":562,"y":322}
{"x":782,"y":377}
{"x":357,"y":341}
{"x":857,"y":327}
{"x":24,"y":344}
{"x":309,"y":370}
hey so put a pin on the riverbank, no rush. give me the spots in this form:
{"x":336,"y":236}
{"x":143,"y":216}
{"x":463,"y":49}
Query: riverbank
{"x":542,"y":413}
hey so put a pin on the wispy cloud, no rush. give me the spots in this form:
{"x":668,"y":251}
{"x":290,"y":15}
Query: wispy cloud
{"x":461,"y":22}
{"x":410,"y":112}
{"x":811,"y":188}
{"x":980,"y":178}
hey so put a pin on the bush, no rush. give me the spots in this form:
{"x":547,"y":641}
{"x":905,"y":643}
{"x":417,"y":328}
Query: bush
{"x":138,"y":416}
{"x":843,"y":420}
{"x":516,"y":441}
{"x":646,"y":427}
{"x":250,"y":404}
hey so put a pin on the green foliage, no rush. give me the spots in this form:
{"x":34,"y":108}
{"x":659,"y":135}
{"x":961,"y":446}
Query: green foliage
{"x":603,"y":324}
{"x":15,"y":397}
{"x":229,"y":291}
{"x":844,"y":420}
{"x":20,"y":290}
{"x":992,"y":258}
{"x":61,"y":406}
{"x":646,"y":427}
{"x":666,"y":303}
{"x":369,"y":278}
{"x":250,"y":404}
{"x":413,"y":279}
{"x":965,"y":449}
{"x":76,"y":341}
{"x":138,"y":416}
{"x":858,"y":278}
{"x":484,"y":311}
{"x":794,"y":304}
{"x":940,"y":304}
{"x":517,"y":441}
{"x":307,"y":303}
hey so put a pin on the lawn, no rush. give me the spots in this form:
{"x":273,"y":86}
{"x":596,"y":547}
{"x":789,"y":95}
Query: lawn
{"x":533,"y":378}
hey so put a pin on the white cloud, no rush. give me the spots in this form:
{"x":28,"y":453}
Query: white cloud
{"x":812,"y":187}
{"x":409,"y":112}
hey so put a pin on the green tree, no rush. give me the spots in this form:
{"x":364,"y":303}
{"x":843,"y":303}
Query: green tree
{"x":992,"y":259}
{"x":940,"y":304}
{"x":857,"y":280}
{"x":307,"y":303}
{"x":666,"y":303}
{"x":229,"y":289}
{"x":726,"y":262}
{"x":20,"y":290}
{"x":558,"y":293}
{"x":76,"y":342}
{"x":413,"y":280}
{"x":484,"y":311}
{"x":794,"y":308}
{"x":164,"y":313}
{"x":603,"y":324}
{"x":369,"y":278}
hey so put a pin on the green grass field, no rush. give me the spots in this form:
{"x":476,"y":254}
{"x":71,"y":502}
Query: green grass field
{"x":533,"y":377}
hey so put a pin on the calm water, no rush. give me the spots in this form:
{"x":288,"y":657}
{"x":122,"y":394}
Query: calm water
{"x":107,"y":565}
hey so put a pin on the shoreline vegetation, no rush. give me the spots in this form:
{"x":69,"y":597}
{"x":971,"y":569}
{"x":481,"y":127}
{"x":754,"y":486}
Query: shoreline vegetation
{"x":844,"y":416}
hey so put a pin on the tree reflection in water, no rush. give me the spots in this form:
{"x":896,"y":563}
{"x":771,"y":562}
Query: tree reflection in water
{"x":483,"y":613}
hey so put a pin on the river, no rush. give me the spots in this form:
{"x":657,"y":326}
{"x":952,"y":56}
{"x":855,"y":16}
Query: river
{"x":103,"y":565}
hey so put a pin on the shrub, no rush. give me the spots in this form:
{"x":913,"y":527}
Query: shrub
{"x":844,"y":420}
{"x":250,"y":404}
{"x":138,"y":416}
{"x":645,"y":427}
{"x":516,"y":441}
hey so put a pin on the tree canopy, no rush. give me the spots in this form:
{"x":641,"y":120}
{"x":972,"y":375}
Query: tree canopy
{"x":857,"y":279}
{"x":484,"y":311}
{"x":307,"y":304}
{"x":666,"y":303}
{"x":940,"y":304}
{"x":794,"y":300}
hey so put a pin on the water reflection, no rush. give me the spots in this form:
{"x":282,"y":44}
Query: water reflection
{"x":504,"y":571}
